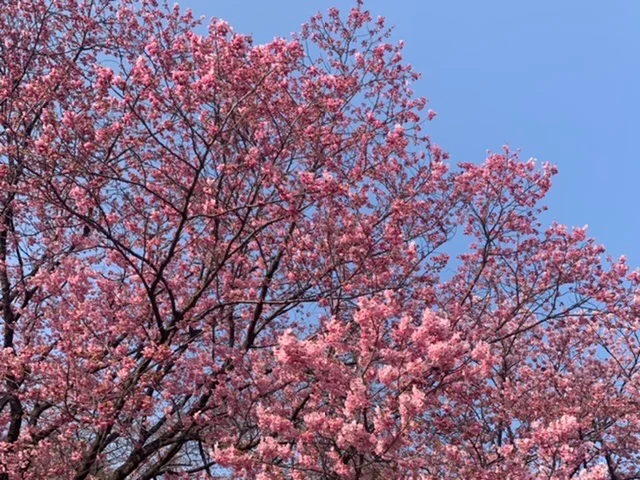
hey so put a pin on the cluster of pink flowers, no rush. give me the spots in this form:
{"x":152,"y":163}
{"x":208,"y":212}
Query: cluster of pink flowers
{"x":227,"y":259}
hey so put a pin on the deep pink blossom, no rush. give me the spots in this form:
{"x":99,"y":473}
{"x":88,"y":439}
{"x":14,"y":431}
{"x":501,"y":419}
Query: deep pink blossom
{"x":221,"y":259}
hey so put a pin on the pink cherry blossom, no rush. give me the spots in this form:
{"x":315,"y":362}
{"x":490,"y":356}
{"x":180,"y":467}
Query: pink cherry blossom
{"x":227,"y":260}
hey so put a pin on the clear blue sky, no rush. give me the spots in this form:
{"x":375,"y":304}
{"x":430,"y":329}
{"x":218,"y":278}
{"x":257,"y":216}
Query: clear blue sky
{"x":559,"y":79}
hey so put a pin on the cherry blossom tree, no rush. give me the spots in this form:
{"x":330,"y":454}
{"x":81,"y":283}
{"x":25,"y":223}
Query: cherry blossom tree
{"x":228,"y":260}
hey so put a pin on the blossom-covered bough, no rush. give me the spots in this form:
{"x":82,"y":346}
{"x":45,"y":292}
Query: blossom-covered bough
{"x":221,"y":259}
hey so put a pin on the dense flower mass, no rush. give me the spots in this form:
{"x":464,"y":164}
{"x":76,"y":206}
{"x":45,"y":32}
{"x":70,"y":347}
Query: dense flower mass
{"x":228,"y":260}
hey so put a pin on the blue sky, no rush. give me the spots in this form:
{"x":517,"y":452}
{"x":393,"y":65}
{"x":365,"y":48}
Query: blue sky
{"x":559,"y":79}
